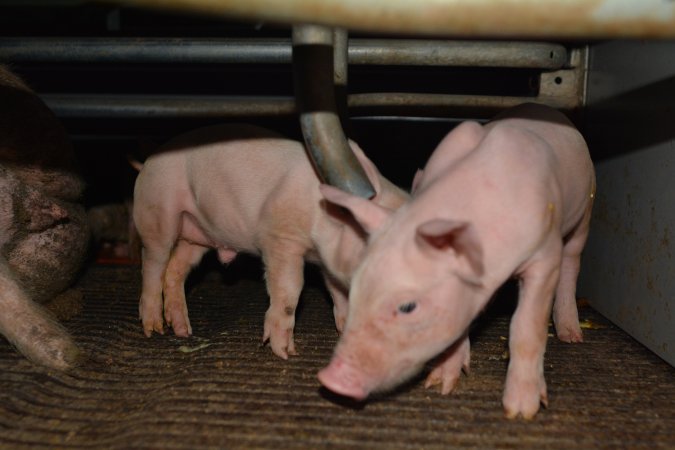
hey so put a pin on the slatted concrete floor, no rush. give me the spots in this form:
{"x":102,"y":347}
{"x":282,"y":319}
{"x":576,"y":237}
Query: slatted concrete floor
{"x":222,"y":389}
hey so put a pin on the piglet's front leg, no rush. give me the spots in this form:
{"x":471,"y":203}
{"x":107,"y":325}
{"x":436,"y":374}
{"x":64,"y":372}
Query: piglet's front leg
{"x":525,"y":384}
{"x":340,"y":301}
{"x":284,"y":276}
{"x":449,"y":366}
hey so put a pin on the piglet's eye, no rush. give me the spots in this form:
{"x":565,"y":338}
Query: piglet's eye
{"x":407,"y":308}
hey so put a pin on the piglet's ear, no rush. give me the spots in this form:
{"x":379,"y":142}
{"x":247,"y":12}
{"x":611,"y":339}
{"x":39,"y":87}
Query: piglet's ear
{"x":454,"y":237}
{"x":367,"y":213}
{"x":416,"y":180}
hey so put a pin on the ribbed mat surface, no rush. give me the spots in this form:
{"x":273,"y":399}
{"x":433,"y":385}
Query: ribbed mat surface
{"x":221,"y":389}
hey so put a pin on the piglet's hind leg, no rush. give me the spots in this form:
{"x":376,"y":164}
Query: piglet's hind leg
{"x":183,"y":258}
{"x":154,"y":261}
{"x":565,"y":313}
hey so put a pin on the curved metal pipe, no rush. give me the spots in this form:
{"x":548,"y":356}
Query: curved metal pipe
{"x":327,"y":145}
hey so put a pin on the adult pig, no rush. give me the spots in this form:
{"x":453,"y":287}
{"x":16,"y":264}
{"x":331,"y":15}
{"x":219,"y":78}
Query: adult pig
{"x":239,"y":188}
{"x":511,"y":198}
{"x":43,"y":226}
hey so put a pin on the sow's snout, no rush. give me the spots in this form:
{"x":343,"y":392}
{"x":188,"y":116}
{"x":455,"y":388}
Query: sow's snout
{"x":342,"y":378}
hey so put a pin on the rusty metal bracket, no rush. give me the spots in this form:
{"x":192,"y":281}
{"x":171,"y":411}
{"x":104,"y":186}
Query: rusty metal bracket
{"x":314,"y":80}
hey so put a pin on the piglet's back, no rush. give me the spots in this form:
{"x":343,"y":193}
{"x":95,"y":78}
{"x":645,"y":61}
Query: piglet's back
{"x":229,"y":176}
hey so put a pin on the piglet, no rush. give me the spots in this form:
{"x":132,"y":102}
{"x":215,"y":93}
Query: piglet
{"x":509,"y":199}
{"x":239,"y":188}
{"x":113,"y":231}
{"x":43,"y":227}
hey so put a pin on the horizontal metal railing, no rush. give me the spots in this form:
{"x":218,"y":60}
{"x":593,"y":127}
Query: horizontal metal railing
{"x":174,"y":106}
{"x":534,"y":55}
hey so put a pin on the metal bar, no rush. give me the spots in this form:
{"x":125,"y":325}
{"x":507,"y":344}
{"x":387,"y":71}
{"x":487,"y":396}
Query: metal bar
{"x":385,"y":104}
{"x":441,"y":105}
{"x":145,"y":50}
{"x":340,"y":56}
{"x":156,"y":106}
{"x":536,"y":55}
{"x":313,"y":77}
{"x":340,"y":75}
{"x":485,"y":18}
{"x":533,"y":55}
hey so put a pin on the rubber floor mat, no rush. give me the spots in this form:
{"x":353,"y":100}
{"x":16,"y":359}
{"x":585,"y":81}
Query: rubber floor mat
{"x":222,"y":389}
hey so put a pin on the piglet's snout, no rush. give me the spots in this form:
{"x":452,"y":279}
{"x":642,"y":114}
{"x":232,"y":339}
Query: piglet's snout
{"x":343,"y":379}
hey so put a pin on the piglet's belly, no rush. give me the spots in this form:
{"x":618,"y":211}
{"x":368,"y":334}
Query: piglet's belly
{"x":224,"y":241}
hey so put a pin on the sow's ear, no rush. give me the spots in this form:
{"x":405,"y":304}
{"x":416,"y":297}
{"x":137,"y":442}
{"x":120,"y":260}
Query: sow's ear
{"x":367,"y":213}
{"x":458,"y":238}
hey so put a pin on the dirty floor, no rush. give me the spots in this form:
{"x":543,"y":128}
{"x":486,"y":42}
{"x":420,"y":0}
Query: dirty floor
{"x":222,"y":389}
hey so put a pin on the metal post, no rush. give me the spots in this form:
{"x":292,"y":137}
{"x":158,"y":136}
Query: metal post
{"x":340,"y":76}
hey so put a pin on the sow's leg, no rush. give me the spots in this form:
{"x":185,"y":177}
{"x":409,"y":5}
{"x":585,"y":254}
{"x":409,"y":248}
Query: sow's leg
{"x":30,"y":328}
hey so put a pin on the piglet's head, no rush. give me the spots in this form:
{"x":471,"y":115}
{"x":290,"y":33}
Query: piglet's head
{"x":414,"y":294}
